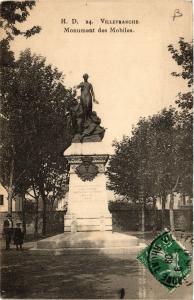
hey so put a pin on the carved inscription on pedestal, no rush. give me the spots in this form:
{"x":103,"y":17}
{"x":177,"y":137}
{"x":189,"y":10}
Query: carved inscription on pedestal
{"x":87,"y":192}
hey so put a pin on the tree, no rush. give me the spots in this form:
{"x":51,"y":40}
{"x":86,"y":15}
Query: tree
{"x":139,"y":160}
{"x":13,"y":12}
{"x":6,"y":55}
{"x":157,"y":159}
{"x":36,"y":128}
{"x":184,"y":58}
{"x":146,"y":164}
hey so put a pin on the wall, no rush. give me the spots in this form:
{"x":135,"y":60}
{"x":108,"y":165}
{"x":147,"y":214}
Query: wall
{"x":3,"y":192}
{"x":55,"y":222}
{"x":125,"y":219}
{"x":16,"y":203}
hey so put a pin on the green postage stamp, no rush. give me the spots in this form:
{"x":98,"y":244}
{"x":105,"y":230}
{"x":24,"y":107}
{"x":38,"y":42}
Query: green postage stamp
{"x":167,"y":260}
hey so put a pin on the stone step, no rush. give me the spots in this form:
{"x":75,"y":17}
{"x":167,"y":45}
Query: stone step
{"x":115,"y":251}
{"x":92,"y":239}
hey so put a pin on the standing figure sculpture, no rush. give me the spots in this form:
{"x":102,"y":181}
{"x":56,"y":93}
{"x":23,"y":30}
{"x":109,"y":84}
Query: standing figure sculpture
{"x":86,"y":98}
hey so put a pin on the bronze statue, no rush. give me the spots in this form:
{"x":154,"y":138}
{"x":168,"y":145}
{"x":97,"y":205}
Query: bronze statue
{"x":84,"y":121}
{"x":87,"y":95}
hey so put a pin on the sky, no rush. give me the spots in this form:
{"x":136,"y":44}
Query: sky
{"x":130,"y":72}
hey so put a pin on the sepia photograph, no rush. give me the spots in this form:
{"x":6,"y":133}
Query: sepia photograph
{"x":96,"y":149}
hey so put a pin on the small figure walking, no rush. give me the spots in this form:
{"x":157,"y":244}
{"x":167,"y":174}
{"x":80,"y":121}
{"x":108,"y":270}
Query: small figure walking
{"x":8,"y":230}
{"x":122,"y":293}
{"x":18,"y":236}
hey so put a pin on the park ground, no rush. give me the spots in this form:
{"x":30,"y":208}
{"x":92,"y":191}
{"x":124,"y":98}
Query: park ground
{"x":28,"y":275}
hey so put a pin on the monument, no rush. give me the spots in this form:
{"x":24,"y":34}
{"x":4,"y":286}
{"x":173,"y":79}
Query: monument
{"x":88,"y":222}
{"x":87,"y":157}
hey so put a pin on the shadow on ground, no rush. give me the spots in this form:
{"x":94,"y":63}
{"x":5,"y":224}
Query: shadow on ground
{"x":100,"y":276}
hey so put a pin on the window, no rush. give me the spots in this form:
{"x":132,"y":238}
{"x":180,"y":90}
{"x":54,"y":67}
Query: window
{"x":1,"y":199}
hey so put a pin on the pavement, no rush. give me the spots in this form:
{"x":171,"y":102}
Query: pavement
{"x":25,"y":275}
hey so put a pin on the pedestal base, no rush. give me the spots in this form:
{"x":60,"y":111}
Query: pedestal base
{"x":90,"y":243}
{"x":72,"y":224}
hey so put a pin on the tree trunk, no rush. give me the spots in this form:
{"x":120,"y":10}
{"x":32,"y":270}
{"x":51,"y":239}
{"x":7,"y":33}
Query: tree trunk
{"x":10,"y":188}
{"x":24,"y":214}
{"x":155,"y":215}
{"x":44,"y":212}
{"x":44,"y":219}
{"x":36,"y":197}
{"x":143,"y":217}
{"x":36,"y":220}
{"x":183,"y":199}
{"x":171,"y":207}
{"x":163,"y":210}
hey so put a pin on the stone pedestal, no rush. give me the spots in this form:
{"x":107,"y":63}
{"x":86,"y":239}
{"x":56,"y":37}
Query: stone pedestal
{"x":87,"y":198}
{"x":88,"y":222}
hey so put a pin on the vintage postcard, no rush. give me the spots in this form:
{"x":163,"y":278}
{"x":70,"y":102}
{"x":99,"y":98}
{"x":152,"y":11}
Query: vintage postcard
{"x":96,"y":149}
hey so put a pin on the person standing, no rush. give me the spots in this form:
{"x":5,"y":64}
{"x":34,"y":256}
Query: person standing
{"x":18,"y":236}
{"x":8,"y":230}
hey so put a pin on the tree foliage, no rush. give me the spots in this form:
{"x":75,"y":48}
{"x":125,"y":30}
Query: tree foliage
{"x":36,"y":127}
{"x":13,"y":12}
{"x":6,"y":55}
{"x":184,"y":58}
{"x":157,"y":159}
{"x":147,"y":161}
